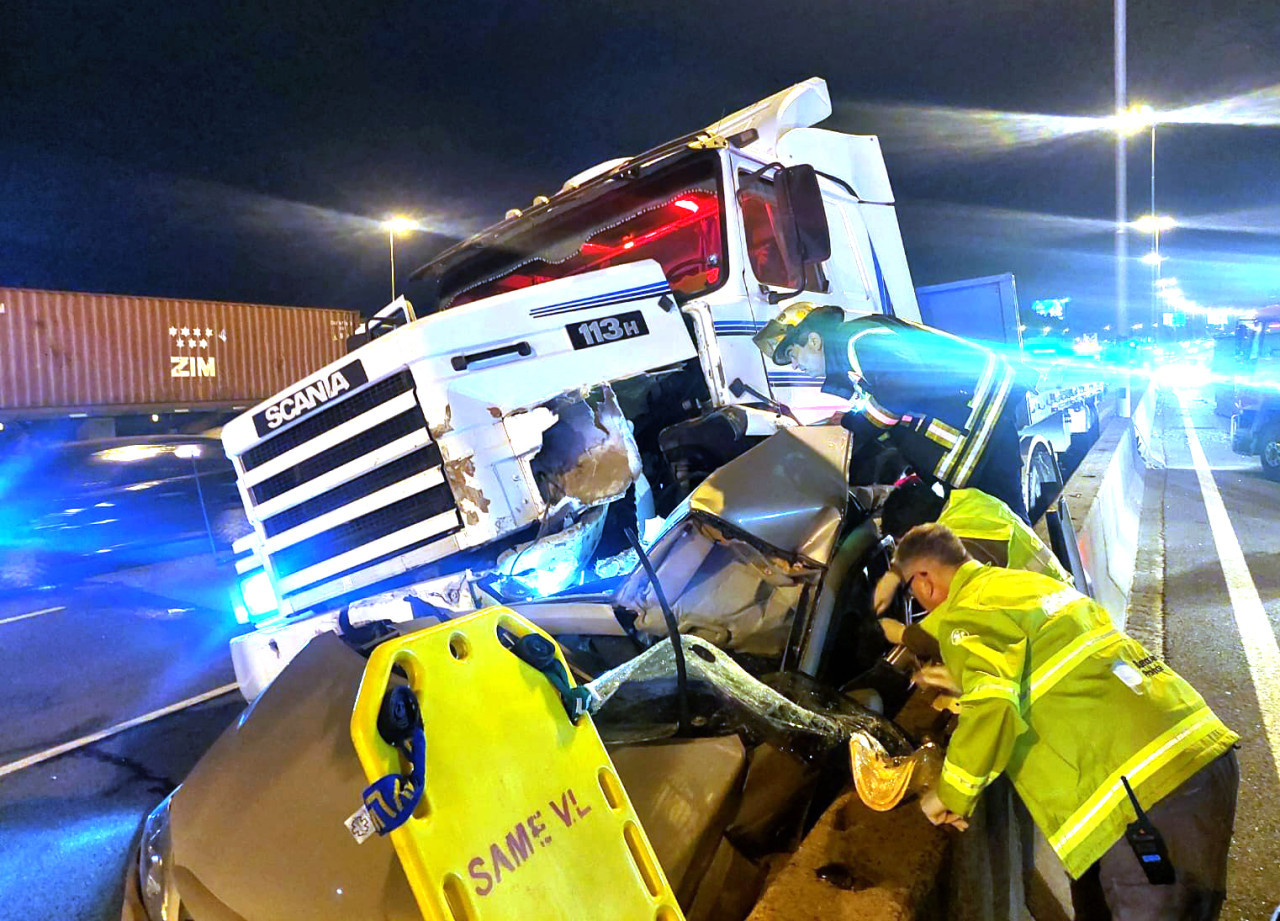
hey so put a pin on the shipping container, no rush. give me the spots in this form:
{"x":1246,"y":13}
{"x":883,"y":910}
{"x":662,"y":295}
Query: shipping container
{"x":65,"y":352}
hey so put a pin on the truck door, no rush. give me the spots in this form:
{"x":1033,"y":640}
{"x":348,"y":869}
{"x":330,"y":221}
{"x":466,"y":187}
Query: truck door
{"x":770,"y":266}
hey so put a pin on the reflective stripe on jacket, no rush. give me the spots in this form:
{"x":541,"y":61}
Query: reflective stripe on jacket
{"x":1053,"y":695}
{"x":972,"y":516}
{"x":941,"y":394}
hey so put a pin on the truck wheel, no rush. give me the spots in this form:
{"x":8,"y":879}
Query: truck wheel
{"x":1040,"y":478}
{"x":1270,"y":453}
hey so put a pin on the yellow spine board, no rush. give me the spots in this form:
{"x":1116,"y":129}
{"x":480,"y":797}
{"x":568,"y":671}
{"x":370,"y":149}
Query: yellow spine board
{"x":523,"y":815}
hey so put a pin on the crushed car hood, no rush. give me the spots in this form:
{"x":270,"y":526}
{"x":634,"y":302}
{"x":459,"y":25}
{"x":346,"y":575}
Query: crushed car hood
{"x":258,"y":825}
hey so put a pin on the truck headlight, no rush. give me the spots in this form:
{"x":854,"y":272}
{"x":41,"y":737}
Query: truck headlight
{"x":258,"y":595}
{"x":155,"y":866}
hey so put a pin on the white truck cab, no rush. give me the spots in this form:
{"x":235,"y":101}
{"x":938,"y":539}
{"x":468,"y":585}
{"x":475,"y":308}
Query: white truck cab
{"x":554,"y":353}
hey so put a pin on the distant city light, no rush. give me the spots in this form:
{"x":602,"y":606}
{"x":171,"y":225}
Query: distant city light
{"x":1053,"y":307}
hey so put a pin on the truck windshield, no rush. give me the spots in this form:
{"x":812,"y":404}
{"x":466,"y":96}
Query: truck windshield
{"x":673,"y":215}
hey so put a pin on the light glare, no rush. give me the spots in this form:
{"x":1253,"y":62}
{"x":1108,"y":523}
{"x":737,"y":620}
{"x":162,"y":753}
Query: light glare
{"x":401,"y":224}
{"x":1154,"y":223}
{"x":259,"y":597}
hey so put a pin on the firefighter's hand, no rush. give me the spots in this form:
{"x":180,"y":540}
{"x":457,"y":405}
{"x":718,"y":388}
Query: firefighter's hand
{"x":936,"y":812}
{"x":886,"y":588}
{"x":937,"y":676}
{"x":893,"y":630}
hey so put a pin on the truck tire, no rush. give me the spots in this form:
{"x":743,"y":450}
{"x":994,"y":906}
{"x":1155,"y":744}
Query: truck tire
{"x":1041,"y":479}
{"x":1269,"y":451}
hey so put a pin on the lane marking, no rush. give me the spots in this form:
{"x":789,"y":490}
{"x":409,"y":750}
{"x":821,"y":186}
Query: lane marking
{"x":41,"y":612}
{"x":32,"y":760}
{"x":1256,"y":634}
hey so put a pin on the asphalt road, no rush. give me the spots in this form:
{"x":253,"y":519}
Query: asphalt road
{"x":1202,"y":639}
{"x":106,"y":650}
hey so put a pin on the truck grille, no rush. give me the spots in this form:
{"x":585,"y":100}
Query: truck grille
{"x":350,"y":487}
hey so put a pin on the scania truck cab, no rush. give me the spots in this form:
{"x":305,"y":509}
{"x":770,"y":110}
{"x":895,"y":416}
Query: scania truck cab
{"x":624,"y":306}
{"x":582,"y":363}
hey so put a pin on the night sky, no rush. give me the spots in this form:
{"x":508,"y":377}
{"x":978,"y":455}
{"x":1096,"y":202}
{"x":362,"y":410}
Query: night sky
{"x":246,"y":151}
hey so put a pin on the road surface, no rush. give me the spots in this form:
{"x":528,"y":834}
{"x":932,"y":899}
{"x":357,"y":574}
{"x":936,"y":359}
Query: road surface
{"x":1219,"y":611}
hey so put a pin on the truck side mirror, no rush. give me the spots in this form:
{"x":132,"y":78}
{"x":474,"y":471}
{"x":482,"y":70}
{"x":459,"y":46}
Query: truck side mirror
{"x":800,"y":206}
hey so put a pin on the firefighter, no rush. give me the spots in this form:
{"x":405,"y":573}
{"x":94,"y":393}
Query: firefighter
{"x":990,"y":532}
{"x":1066,"y":705}
{"x":949,"y":403}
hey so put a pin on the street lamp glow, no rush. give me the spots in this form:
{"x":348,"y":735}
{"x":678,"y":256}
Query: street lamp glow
{"x":1152,"y":258}
{"x":1154,"y":223}
{"x":1133,"y":119}
{"x":393,"y":226}
{"x":400,"y":225}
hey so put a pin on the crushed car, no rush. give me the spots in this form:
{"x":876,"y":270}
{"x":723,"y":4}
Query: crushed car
{"x":735,"y":673}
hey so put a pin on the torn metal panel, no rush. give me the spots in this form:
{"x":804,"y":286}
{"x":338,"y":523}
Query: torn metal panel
{"x":555,"y":559}
{"x":451,"y":594}
{"x":472,"y":502}
{"x":724,"y":590}
{"x":618,"y":565}
{"x":733,"y":684}
{"x":808,"y":489}
{"x":590,"y":454}
{"x":439,"y":429}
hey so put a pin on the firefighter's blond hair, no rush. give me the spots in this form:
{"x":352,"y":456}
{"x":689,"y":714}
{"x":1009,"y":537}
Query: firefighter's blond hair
{"x":934,"y":542}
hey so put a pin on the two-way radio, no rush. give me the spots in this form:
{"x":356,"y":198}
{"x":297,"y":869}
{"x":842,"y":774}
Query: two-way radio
{"x":1147,"y":845}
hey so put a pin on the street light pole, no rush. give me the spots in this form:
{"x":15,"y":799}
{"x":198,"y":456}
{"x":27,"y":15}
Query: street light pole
{"x":1122,"y":203}
{"x":391,"y":242}
{"x":1155,"y":268}
{"x":394,"y":226}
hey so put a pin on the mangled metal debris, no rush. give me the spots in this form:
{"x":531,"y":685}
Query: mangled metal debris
{"x":590,"y":454}
{"x":562,"y":550}
{"x":726,"y":591}
{"x":733,"y":684}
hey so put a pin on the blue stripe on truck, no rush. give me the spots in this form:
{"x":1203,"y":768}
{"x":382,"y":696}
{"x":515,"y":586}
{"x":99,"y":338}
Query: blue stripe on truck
{"x":600,"y":300}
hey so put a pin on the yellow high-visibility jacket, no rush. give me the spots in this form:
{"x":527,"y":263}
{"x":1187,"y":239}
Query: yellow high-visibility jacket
{"x":1053,"y":695}
{"x":977,"y":518}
